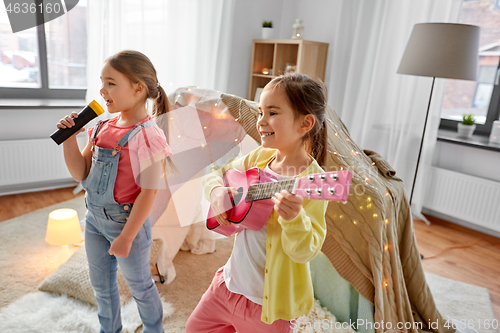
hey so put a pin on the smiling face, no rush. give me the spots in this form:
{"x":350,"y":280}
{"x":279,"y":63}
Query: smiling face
{"x":277,"y":124}
{"x":120,"y":94}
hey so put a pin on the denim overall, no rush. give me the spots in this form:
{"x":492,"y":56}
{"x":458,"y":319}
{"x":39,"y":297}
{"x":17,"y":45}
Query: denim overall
{"x":105,"y":219}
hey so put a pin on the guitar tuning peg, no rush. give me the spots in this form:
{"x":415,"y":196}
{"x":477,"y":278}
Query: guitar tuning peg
{"x":322,"y":177}
{"x":335,"y":176}
{"x":331,"y":190}
{"x":308,"y":191}
{"x":319,"y":191}
{"x":311,"y":178}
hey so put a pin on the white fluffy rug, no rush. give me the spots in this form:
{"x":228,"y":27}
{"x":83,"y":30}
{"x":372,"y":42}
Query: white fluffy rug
{"x":469,"y":306}
{"x":319,"y":320}
{"x":43,"y":312}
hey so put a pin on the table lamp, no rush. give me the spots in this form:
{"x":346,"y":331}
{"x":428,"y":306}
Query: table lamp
{"x":443,"y":50}
{"x":63,"y":228}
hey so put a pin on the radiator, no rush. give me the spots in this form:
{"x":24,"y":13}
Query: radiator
{"x":29,"y":165}
{"x":467,"y":198}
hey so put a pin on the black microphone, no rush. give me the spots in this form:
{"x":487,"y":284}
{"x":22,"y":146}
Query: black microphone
{"x":84,"y":117}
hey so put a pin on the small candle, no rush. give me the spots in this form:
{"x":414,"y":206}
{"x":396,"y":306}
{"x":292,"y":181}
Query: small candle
{"x":495,"y":132}
{"x":265,"y":71}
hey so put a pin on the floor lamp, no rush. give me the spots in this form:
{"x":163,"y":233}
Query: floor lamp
{"x":440,"y":50}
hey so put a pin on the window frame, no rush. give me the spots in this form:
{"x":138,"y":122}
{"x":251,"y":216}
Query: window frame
{"x":492,"y":115}
{"x":43,"y":92}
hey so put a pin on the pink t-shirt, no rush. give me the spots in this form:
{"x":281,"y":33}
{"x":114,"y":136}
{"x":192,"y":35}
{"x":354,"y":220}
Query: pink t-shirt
{"x":133,"y":154}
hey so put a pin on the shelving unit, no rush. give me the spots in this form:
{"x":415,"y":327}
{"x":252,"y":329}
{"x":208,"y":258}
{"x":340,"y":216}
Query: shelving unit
{"x":275,"y":54}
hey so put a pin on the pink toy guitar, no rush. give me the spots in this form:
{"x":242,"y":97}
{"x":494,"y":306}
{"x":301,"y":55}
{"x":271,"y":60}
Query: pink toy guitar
{"x":252,"y":205}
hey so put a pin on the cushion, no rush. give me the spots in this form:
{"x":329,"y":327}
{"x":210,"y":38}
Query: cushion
{"x":245,"y":112}
{"x":72,"y":277}
{"x":338,"y":295}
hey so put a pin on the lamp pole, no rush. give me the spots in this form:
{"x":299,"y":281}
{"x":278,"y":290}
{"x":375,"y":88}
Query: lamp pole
{"x":422,"y":140}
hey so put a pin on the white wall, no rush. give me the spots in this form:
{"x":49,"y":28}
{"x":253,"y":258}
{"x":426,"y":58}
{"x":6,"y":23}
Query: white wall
{"x":316,"y":16}
{"x":32,"y":123}
{"x":247,"y":25}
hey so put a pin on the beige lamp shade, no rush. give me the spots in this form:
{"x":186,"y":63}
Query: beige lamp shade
{"x":63,"y":227}
{"x":444,"y":50}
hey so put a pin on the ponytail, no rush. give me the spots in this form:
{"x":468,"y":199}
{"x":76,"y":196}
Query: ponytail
{"x":317,"y":145}
{"x":161,"y":104}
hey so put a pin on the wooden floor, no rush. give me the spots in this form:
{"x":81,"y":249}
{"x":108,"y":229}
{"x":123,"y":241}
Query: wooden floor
{"x":478,"y":264}
{"x":19,"y":204}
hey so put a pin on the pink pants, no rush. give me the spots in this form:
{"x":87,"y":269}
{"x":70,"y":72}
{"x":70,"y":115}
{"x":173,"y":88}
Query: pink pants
{"x":222,"y":311}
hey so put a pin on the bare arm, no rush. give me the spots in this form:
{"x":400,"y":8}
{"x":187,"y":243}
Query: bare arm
{"x":78,"y":163}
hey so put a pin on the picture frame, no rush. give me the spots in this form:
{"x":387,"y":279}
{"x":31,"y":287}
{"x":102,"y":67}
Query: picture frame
{"x":258,"y":91}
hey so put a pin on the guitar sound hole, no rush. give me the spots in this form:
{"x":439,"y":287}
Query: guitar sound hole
{"x":237,"y":197}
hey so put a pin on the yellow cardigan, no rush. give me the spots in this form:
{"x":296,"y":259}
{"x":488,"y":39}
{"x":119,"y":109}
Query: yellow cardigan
{"x":290,"y":245}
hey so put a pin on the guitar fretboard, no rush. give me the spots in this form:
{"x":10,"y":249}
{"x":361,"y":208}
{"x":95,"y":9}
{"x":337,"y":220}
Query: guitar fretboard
{"x":267,"y":190}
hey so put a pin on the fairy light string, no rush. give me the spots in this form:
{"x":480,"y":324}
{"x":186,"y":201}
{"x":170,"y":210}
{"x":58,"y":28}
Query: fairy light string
{"x":369,"y":198}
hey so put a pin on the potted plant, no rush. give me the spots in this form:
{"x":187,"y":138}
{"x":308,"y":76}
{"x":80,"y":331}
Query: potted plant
{"x":467,"y":126}
{"x":267,"y":30}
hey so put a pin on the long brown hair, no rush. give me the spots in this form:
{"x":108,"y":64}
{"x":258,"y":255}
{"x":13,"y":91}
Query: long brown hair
{"x":138,"y":68}
{"x":307,"y":96}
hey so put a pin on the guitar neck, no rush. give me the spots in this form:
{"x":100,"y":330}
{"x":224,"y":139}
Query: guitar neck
{"x":267,"y":190}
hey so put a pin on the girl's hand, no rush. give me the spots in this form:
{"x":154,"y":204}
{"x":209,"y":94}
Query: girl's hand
{"x":120,"y":247}
{"x":287,"y":205}
{"x":68,"y":122}
{"x":221,"y":203}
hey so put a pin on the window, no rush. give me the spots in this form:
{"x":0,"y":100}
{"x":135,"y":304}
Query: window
{"x":484,"y":88}
{"x":481,"y":98}
{"x":47,"y":61}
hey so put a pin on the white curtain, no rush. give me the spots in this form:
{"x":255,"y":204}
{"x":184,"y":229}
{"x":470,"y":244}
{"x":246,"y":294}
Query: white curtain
{"x":187,"y":41}
{"x":385,"y":111}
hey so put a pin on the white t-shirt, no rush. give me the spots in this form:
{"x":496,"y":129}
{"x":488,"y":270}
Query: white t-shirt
{"x":244,"y":271}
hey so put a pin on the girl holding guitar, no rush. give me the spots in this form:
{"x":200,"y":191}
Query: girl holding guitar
{"x":266,"y":281}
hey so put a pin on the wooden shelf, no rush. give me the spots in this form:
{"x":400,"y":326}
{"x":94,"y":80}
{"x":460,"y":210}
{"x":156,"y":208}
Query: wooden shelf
{"x":263,"y":75}
{"x":308,"y":57}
